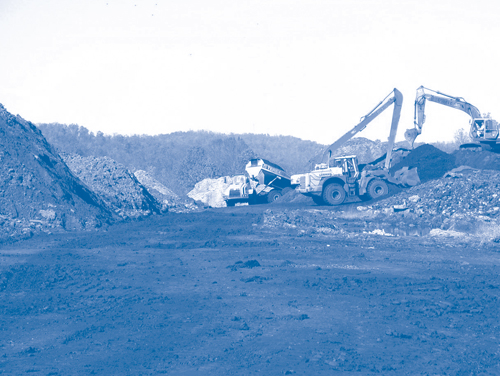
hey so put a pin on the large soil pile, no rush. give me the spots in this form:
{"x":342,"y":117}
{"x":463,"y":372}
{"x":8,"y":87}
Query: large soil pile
{"x":477,"y":158}
{"x":38,"y":192}
{"x":168,"y":199}
{"x":117,"y":186}
{"x":431,"y":163}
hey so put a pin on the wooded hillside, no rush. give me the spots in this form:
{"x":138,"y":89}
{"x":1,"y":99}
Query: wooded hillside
{"x":181,"y":159}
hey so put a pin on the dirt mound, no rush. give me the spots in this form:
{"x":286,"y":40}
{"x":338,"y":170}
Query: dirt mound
{"x":431,"y":163}
{"x":168,"y":199}
{"x":477,"y":158}
{"x":158,"y":190}
{"x":293,"y":196}
{"x":116,"y":185}
{"x":38,"y":192}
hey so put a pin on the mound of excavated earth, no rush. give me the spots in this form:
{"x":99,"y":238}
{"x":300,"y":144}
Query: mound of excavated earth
{"x":431,"y":163}
{"x":38,"y":192}
{"x":168,"y":199}
{"x":117,"y":186}
{"x":157,"y":189}
{"x":477,"y":158}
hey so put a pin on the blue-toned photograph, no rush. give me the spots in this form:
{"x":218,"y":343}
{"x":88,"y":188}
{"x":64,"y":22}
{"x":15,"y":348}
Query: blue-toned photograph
{"x":229,"y":187}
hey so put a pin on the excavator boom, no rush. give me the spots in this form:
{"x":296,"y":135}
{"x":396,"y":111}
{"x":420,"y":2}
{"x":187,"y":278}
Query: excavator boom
{"x":393,"y":97}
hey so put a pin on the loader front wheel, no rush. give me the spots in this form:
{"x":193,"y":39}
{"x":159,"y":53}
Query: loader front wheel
{"x":377,"y":188}
{"x":334,"y":194}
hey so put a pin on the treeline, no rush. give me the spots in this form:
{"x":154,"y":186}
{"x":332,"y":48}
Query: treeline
{"x":179,"y":160}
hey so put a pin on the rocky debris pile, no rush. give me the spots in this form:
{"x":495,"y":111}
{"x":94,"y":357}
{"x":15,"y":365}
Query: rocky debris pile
{"x":464,"y":203}
{"x":38,"y":192}
{"x":209,"y":191}
{"x":466,"y":200}
{"x":168,"y":199}
{"x":117,"y":186}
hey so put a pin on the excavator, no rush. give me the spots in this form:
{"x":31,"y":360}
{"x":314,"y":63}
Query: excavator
{"x":337,"y":178}
{"x":484,"y":131}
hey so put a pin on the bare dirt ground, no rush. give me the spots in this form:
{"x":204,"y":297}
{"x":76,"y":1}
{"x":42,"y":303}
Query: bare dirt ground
{"x":220,"y":292}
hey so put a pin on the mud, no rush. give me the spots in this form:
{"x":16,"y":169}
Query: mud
{"x":230,"y":292}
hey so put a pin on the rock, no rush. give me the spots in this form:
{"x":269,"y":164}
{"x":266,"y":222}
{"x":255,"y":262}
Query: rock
{"x":400,"y":207}
{"x":209,"y":191}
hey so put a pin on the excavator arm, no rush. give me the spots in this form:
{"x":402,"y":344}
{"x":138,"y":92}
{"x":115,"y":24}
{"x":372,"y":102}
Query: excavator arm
{"x":424,"y":94}
{"x":393,"y":97}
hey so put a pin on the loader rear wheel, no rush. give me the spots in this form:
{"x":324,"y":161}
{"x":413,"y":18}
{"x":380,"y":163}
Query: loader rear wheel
{"x":334,"y":194}
{"x":230,"y":203}
{"x":273,"y":195}
{"x":377,"y":188}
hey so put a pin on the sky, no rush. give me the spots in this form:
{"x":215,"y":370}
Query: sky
{"x":305,"y":68}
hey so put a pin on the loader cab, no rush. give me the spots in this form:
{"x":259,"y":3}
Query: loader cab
{"x":349,"y":165}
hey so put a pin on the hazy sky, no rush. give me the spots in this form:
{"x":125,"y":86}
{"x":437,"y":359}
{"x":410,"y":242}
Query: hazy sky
{"x":306,"y":68}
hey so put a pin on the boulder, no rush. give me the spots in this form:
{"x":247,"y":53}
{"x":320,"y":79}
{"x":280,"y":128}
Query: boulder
{"x":209,"y":191}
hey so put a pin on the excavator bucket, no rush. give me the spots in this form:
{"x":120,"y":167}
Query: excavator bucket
{"x":407,"y":177}
{"x":411,"y":135}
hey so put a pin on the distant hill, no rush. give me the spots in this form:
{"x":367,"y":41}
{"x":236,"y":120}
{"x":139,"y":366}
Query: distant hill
{"x":179,"y":160}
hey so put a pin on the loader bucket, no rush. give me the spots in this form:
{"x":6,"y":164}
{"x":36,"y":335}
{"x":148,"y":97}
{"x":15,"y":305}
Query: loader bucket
{"x":407,"y":177}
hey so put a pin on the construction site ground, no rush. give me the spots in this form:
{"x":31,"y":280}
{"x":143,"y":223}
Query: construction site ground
{"x":268,"y":289}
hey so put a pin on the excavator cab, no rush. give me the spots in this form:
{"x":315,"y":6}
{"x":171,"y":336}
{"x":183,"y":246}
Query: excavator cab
{"x":484,"y":128}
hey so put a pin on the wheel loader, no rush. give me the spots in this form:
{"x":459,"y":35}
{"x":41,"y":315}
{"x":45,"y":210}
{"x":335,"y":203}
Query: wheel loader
{"x":338,"y":178}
